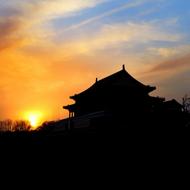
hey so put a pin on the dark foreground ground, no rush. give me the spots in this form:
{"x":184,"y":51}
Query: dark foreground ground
{"x":89,"y":154}
{"x":95,"y":137}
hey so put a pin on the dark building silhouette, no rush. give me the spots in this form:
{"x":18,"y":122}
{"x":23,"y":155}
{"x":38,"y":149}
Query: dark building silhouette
{"x":118,"y":98}
{"x":119,"y":104}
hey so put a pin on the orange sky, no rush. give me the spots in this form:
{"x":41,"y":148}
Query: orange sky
{"x":50,"y":50}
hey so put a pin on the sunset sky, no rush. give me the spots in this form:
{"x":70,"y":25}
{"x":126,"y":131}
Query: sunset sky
{"x":51,"y":49}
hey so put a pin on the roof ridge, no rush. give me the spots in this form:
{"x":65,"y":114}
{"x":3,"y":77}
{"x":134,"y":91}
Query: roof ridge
{"x":109,"y":76}
{"x":122,"y":77}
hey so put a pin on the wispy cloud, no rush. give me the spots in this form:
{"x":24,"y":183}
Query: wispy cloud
{"x":22,"y":21}
{"x":120,"y":35}
{"x":125,"y":6}
{"x":49,"y":9}
{"x":7,"y":29}
{"x":168,"y":52}
{"x":174,"y":64}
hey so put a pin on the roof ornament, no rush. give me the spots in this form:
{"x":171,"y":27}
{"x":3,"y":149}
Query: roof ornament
{"x":124,"y":67}
{"x":96,"y":79}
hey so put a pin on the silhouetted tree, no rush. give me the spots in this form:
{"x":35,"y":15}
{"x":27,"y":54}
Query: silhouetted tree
{"x":6,"y":125}
{"x":21,"y":126}
{"x":186,"y":103}
{"x":14,"y":126}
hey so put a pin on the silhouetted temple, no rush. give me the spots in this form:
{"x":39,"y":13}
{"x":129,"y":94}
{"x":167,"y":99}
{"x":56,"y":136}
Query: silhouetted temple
{"x":118,"y":96}
{"x":117,"y":104}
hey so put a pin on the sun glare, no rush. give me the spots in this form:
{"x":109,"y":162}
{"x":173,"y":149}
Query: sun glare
{"x":34,"y":118}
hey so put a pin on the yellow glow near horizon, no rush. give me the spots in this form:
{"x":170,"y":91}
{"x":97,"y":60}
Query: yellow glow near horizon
{"x":35,"y":118}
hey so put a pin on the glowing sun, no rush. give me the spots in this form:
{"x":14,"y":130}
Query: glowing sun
{"x":34,"y":118}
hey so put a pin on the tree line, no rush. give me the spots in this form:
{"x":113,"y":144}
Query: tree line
{"x":9,"y":125}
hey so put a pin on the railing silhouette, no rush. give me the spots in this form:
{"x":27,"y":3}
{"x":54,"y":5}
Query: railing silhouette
{"x":85,"y":121}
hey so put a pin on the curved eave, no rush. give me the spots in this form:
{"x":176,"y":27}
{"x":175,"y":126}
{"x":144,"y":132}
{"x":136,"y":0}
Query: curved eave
{"x":70,"y":107}
{"x":150,"y":88}
{"x":74,"y":97}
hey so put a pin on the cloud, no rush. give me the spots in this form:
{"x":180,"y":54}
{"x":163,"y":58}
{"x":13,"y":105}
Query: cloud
{"x":168,"y":52}
{"x":11,"y":24}
{"x":163,"y":52}
{"x":166,"y":63}
{"x":119,"y":35}
{"x":44,"y":10}
{"x":48,"y":8}
{"x":170,"y":76}
{"x":25,"y":22}
{"x":139,"y":32}
{"x":125,"y":6}
{"x":175,"y":64}
{"x":30,"y":27}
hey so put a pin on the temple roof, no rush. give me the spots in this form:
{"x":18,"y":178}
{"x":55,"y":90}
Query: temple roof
{"x":120,"y":78}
